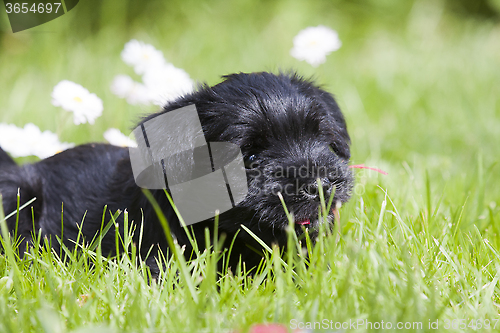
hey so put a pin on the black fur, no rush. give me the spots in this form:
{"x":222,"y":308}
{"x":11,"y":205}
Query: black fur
{"x":281,"y":122}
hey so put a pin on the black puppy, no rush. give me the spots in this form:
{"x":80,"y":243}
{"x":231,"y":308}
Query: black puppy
{"x":290,"y":132}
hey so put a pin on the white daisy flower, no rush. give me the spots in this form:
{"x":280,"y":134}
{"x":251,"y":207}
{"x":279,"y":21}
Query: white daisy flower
{"x":313,"y":44}
{"x":86,"y":107}
{"x":142,"y":56}
{"x":27,"y":141}
{"x":43,"y":144}
{"x":117,"y":138}
{"x":166,"y":83}
{"x":134,"y":92}
{"x":11,"y":138}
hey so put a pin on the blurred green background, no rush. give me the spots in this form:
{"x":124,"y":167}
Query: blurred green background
{"x":417,"y":80}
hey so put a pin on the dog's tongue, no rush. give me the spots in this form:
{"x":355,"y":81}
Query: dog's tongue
{"x":304,"y":222}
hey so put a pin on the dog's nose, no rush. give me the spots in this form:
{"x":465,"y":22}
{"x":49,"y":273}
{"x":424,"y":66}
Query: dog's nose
{"x":312,"y":190}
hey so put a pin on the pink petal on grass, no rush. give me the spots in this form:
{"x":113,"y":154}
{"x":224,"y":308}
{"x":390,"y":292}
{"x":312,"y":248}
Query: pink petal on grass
{"x":268,"y":328}
{"x":362,"y":166}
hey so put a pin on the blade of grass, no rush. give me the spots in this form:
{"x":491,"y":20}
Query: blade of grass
{"x":176,"y":251}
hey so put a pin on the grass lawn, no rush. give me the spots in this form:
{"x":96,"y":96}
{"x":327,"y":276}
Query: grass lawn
{"x":419,"y":86}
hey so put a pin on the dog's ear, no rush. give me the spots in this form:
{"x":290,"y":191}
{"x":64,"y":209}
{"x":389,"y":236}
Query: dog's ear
{"x":334,"y":110}
{"x":342,"y":141}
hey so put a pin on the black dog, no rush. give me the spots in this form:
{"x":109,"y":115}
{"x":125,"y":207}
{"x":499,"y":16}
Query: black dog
{"x":290,"y":133}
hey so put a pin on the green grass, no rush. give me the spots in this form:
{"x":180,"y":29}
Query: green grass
{"x":419,"y":88}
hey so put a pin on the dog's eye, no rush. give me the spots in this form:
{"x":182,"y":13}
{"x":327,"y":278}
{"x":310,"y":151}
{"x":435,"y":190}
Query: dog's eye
{"x":251,"y":162}
{"x":332,"y":149}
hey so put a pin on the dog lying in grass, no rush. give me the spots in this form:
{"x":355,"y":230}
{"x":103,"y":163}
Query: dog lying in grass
{"x":290,"y":132}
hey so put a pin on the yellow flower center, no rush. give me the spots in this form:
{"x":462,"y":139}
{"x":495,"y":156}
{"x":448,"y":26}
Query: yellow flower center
{"x":77,"y":99}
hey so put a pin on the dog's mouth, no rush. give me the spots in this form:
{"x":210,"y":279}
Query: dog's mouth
{"x":313,"y":222}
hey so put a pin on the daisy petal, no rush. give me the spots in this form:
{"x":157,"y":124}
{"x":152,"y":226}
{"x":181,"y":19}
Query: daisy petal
{"x":166,"y":83}
{"x":142,"y":56}
{"x":27,"y":141}
{"x":117,"y":138}
{"x":134,"y":92}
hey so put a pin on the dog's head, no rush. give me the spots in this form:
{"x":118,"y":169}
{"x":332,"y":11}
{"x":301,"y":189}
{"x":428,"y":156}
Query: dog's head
{"x":291,"y":133}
